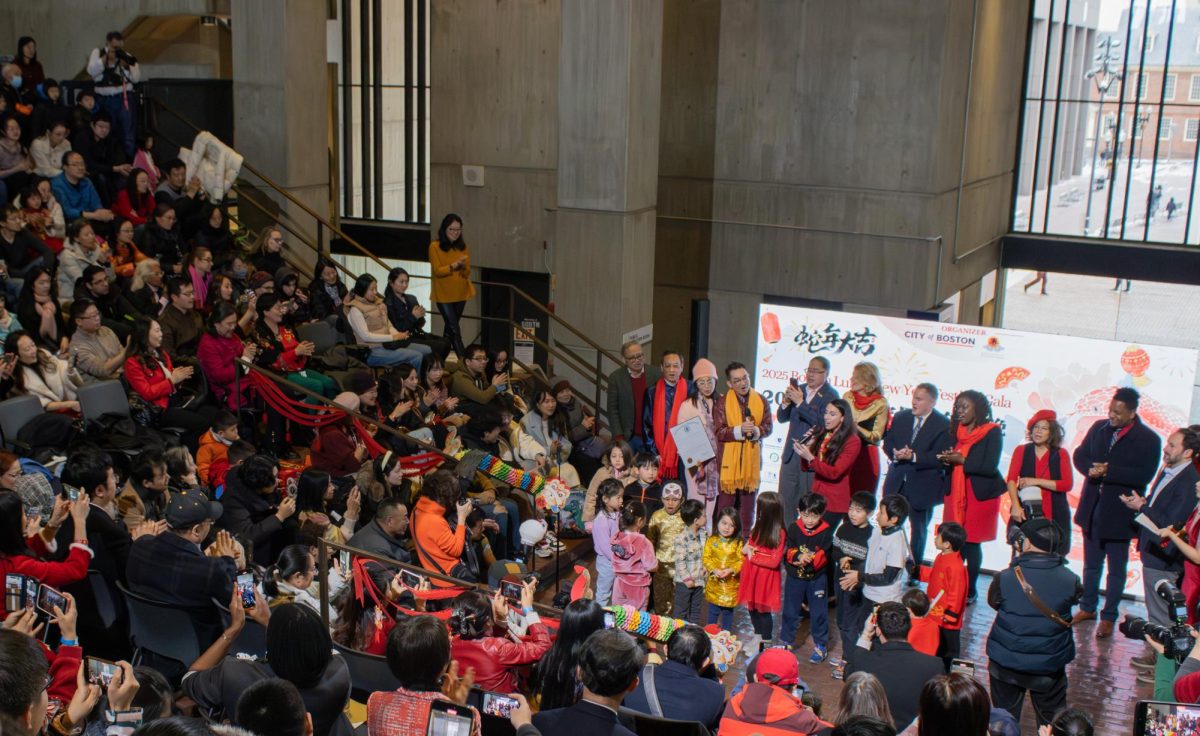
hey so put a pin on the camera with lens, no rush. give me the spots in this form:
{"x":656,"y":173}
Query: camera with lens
{"x":125,"y":56}
{"x":1176,"y":639}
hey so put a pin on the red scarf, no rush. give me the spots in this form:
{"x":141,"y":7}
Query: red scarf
{"x":668,"y":456}
{"x":862,"y":402}
{"x":956,"y":502}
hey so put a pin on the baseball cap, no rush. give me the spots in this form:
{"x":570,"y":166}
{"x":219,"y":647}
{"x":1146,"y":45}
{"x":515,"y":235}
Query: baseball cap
{"x":188,"y":508}
{"x":1045,"y":534}
{"x":781,"y":665}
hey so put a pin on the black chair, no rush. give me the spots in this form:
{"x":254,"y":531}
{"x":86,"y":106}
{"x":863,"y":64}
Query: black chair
{"x":102,"y":397}
{"x":252,"y":639}
{"x":161,"y":628}
{"x":645,"y":724}
{"x":15,"y":413}
{"x":369,"y":673}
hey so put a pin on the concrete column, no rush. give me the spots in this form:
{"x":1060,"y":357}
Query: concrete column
{"x":280,"y":93}
{"x":610,"y":73}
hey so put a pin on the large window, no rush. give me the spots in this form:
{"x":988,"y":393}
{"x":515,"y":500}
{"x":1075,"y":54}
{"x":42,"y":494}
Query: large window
{"x":1101,"y":78}
{"x":383,"y":109}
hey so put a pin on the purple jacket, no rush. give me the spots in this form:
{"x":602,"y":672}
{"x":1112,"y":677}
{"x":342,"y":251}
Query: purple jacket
{"x":604,"y":528}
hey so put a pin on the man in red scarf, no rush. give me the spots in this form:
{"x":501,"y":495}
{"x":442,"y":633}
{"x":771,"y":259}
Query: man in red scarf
{"x":660,"y":412}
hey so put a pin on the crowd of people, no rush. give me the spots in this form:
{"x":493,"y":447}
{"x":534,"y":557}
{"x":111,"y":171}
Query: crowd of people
{"x":211,"y":495}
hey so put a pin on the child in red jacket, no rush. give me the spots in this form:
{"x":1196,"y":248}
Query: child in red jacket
{"x":925,"y":634}
{"x":948,"y":588}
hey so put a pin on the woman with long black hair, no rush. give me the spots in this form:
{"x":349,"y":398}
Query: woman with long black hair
{"x":452,"y":287}
{"x":314,"y":492}
{"x":830,"y":456}
{"x":555,"y":682}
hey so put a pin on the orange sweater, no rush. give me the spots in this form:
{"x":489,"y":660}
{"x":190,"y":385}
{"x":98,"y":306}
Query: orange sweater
{"x":450,"y":286}
{"x":438,"y":548}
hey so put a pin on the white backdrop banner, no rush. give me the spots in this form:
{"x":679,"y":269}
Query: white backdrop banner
{"x":1020,"y":372}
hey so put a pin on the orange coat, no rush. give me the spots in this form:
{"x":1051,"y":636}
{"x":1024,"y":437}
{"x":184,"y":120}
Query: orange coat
{"x":210,"y":451}
{"x":438,"y":547}
{"x":450,"y":286}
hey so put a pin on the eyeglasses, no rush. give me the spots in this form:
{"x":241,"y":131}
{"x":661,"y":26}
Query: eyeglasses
{"x":633,"y":358}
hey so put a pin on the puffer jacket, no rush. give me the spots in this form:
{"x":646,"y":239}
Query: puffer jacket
{"x":1022,"y":637}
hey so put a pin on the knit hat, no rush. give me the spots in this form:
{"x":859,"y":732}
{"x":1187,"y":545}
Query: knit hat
{"x":259,"y":278}
{"x":360,"y":382}
{"x":1047,"y":414}
{"x":1045,"y":534}
{"x":559,"y":384}
{"x":347,"y":400}
{"x":704,"y":368}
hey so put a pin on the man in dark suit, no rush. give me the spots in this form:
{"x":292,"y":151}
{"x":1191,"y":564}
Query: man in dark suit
{"x":912,"y":445}
{"x":1168,"y":502}
{"x":1118,"y":458}
{"x":608,"y":666}
{"x":626,"y":391}
{"x":802,"y":409}
{"x":675,"y":688}
{"x":171,"y":567}
{"x":407,"y":315}
{"x":902,"y":670}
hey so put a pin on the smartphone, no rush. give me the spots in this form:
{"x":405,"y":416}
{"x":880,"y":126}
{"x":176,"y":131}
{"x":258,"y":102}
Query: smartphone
{"x":495,"y":704}
{"x":48,"y":598}
{"x":335,"y":517}
{"x":31,"y":591}
{"x":510,"y":590}
{"x":72,"y":492}
{"x":411,"y":579}
{"x":793,"y":382}
{"x":1158,"y":717}
{"x":245,"y":586}
{"x":344,"y":558}
{"x":101,"y":671}
{"x":610,"y":619}
{"x":962,"y":667}
{"x":450,"y":719}
{"x":14,"y":592}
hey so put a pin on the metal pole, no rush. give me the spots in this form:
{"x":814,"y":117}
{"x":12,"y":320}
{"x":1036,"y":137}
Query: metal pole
{"x":1087,"y":217}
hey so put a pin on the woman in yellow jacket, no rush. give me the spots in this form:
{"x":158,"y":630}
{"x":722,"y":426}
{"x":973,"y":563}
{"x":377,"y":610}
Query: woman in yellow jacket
{"x":452,"y":287}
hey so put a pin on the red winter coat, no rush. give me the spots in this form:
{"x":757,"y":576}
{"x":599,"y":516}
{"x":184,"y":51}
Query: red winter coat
{"x":152,"y":384}
{"x":55,"y":574}
{"x":495,"y":657}
{"x":217,"y":356}
{"x":759,"y":588}
{"x":833,"y":480}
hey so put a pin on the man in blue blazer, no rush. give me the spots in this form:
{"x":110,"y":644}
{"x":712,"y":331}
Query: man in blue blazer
{"x":1118,"y":459}
{"x":802,"y":409}
{"x":912,"y":444}
{"x":1168,"y":502}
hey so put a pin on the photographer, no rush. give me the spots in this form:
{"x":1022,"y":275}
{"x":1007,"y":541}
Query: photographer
{"x":1031,"y":641}
{"x":115,"y":71}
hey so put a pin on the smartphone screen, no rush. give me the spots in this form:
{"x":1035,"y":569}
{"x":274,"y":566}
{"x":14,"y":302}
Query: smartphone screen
{"x":48,"y":598}
{"x":610,"y":619}
{"x":498,"y":705}
{"x":962,"y":667}
{"x":411,"y":579}
{"x":510,"y":590}
{"x":14,"y":589}
{"x":344,"y":558}
{"x":449,"y":719}
{"x":245,"y":585}
{"x":1151,"y":718}
{"x":72,"y":492}
{"x":101,"y":671}
{"x":31,"y":591}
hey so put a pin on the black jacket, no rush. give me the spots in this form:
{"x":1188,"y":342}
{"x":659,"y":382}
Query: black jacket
{"x":803,"y":417}
{"x":903,"y":672}
{"x":923,"y":481}
{"x":582,"y":719}
{"x":683,"y":694}
{"x":107,"y":537}
{"x":164,"y":246}
{"x":170,"y":569}
{"x":1171,"y":506}
{"x":1131,"y":465}
{"x":399,"y":309}
{"x":1022,"y":637}
{"x":16,"y":254}
{"x":373,"y":539}
{"x":250,"y":516}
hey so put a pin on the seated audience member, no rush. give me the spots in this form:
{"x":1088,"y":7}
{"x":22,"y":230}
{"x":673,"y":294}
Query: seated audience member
{"x":281,"y":351}
{"x":1070,"y":722}
{"x":214,"y":444}
{"x":555,"y":682}
{"x":143,"y":158}
{"x":48,"y":150}
{"x":171,"y":567}
{"x":16,"y":165}
{"x":38,"y":310}
{"x":679,"y":691}
{"x":769,"y":699}
{"x":116,"y":312}
{"x":182,"y":325}
{"x":327,"y":293}
{"x":418,"y":655}
{"x":107,"y":165}
{"x":185,"y":195}
{"x":380,"y":479}
{"x":44,"y":215}
{"x":268,"y":250}
{"x":40,"y":374}
{"x":217,"y":352}
{"x":385,"y":536}
{"x":92,"y":473}
{"x":96,"y":351}
{"x":865,"y":726}
{"x":339,"y":450}
{"x":156,"y":380}
{"x":125,"y":253}
{"x":497,"y":660}
{"x":81,"y":112}
{"x":145,"y":495}
{"x":863,"y":695}
{"x":199,"y":271}
{"x":252,"y":512}
{"x":368,"y":318}
{"x":239,"y":452}
{"x":293,"y":579}
{"x":147,"y":291}
{"x":314,"y":508}
{"x":608,"y":666}
{"x":83,"y":249}
{"x":588,"y":441}
{"x":8,"y":321}
{"x":470,"y":383}
{"x":954,"y":705}
{"x":299,"y":650}
{"x":407,"y":315}
{"x":160,"y":240}
{"x":21,"y":251}
{"x":212,"y":231}
{"x":76,"y":193}
{"x":439,"y":545}
{"x":16,"y":555}
{"x":181,"y":469}
{"x":135,"y":202}
{"x":883,"y":650}
{"x":273,"y":707}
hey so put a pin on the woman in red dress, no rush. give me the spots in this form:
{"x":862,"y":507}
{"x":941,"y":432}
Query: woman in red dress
{"x":761,"y":581}
{"x":975,"y":482}
{"x":1039,"y":476}
{"x":871,"y":415}
{"x":1191,"y":566}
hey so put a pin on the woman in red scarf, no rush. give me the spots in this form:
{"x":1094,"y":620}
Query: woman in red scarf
{"x":975,"y":482}
{"x":871,"y":413}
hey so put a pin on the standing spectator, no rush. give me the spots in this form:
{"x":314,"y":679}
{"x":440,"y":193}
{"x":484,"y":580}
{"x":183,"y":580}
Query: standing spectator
{"x":136,"y":201}
{"x":76,"y":193}
{"x":609,"y":667}
{"x":48,"y":150}
{"x":803,"y":410}
{"x":555,"y":682}
{"x":1118,"y":457}
{"x":106,"y":163}
{"x":741,"y":420}
{"x":26,"y":58}
{"x":912,"y":444}
{"x":704,"y":478}
{"x":660,"y":412}
{"x":1031,"y":641}
{"x":627,"y":392}
{"x":723,"y":560}
{"x":871,"y":414}
{"x":760,"y":579}
{"x":829,"y":457}
{"x":115,"y":71}
{"x":1039,"y":476}
{"x":883,"y":650}
{"x":450,"y":260}
{"x":1168,"y":503}
{"x":676,"y":689}
{"x":975,"y":481}
{"x":953,"y":705}
{"x":809,"y":540}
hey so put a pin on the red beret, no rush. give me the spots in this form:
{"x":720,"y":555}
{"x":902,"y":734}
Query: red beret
{"x":1047,"y":414}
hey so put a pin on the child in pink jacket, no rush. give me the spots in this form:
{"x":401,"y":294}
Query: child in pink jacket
{"x":633,"y":559}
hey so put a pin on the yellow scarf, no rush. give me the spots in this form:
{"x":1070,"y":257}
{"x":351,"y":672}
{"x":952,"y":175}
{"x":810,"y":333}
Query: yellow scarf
{"x":741,"y":459}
